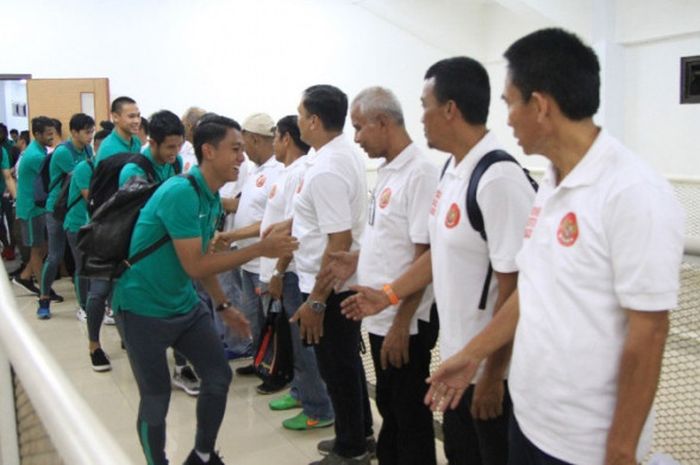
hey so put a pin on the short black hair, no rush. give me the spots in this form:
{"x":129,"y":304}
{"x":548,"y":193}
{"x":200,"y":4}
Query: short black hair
{"x":146,"y":126}
{"x":211,"y":129}
{"x":466,"y":82}
{"x":59,"y":126}
{"x":558,"y":63}
{"x":24,"y":135}
{"x":163,"y":124}
{"x":3,"y":129}
{"x":119,"y":102}
{"x":107,"y":125}
{"x":101,"y":135}
{"x":80,"y":121}
{"x":41,"y":124}
{"x":13,"y":131}
{"x":289,"y":125}
{"x":327,"y":102}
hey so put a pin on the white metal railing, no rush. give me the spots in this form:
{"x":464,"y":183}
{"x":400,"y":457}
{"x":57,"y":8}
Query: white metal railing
{"x":64,"y":414}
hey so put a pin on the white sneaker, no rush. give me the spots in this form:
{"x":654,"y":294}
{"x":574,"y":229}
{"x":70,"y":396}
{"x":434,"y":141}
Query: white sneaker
{"x":186,"y":379}
{"x":81,"y":315}
{"x":109,"y":318}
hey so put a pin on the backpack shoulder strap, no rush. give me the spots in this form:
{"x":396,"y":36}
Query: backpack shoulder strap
{"x":178,"y":166}
{"x":445,"y":166}
{"x":476,"y":219}
{"x":129,"y":262}
{"x":146,"y":165}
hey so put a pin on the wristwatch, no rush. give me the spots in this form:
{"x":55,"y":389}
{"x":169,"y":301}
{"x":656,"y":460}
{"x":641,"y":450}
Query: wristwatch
{"x":316,"y":306}
{"x":223,"y":306}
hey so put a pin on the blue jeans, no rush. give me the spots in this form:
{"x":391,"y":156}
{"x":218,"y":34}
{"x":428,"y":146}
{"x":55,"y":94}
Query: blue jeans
{"x":251,"y":305}
{"x":230,"y":282}
{"x":307,"y":386}
{"x":57,"y":247}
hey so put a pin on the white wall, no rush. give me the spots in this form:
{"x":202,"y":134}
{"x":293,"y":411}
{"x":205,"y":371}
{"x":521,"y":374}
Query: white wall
{"x":238,"y":57}
{"x":13,"y":92}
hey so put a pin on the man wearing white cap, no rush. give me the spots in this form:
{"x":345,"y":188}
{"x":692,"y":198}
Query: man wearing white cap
{"x":258,"y":135}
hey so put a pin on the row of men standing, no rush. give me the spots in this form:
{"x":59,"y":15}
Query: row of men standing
{"x":590,"y":308}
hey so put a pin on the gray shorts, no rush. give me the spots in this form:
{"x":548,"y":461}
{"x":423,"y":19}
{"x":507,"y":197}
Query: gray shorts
{"x":33,"y":231}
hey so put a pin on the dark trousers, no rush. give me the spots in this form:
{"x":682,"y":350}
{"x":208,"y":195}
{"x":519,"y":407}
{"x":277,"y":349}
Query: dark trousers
{"x":469,"y":441}
{"x":146,"y":340}
{"x":524,"y":452}
{"x":406,"y":436}
{"x":340,"y":365}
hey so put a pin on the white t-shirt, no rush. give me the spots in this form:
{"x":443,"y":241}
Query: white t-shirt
{"x":396,"y":222}
{"x":189,"y":159}
{"x":231,"y":189}
{"x":331,"y":198}
{"x":460,"y":257}
{"x":254,"y":195}
{"x":609,"y":237}
{"x":278,"y":209}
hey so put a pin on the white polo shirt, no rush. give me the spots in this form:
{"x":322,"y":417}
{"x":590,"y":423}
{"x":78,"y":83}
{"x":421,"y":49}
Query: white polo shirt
{"x":189,"y":158}
{"x":231,"y":189}
{"x":609,"y":237}
{"x":331,"y":198}
{"x":396,"y":222}
{"x":460,"y":257}
{"x":251,"y":207}
{"x":278,"y":209}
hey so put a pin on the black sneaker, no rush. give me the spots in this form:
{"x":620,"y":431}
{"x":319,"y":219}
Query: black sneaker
{"x":246,"y":370}
{"x":99,"y":360}
{"x":193,"y":459}
{"x":26,"y":284}
{"x":269,"y":388}
{"x":326,"y":447}
{"x":55,"y":297}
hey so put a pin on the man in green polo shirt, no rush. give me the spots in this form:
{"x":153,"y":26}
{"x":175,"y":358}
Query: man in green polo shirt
{"x":156,"y":304}
{"x":7,"y":182}
{"x":127,"y":119}
{"x":63,"y":160}
{"x":31,"y":217}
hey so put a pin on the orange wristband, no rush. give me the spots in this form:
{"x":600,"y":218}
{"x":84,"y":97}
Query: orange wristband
{"x":393,"y":298}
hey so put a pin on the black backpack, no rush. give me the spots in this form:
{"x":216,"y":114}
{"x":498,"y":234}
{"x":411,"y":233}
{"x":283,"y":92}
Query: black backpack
{"x":42,"y":182}
{"x":105,"y":240}
{"x":476,"y":219}
{"x":274,"y":357}
{"x":105,"y":180}
{"x":62,"y":207}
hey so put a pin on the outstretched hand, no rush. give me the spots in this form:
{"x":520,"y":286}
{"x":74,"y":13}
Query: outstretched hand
{"x":340,"y":267}
{"x":366,"y":302}
{"x":278,"y":245}
{"x":449,"y":381}
{"x":235,"y":320}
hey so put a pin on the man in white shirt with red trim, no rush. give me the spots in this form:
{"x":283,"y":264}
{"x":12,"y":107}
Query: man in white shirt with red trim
{"x":258,"y":134}
{"x":329,"y":216}
{"x":599,"y":270}
{"x":402,"y":336}
{"x":455,"y":99}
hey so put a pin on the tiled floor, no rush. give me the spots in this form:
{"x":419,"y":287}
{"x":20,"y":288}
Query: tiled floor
{"x":250,"y":435}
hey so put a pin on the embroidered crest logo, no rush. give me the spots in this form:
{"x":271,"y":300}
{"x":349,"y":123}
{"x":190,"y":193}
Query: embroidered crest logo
{"x":436,"y":201}
{"x":260,"y":181}
{"x":384,"y":198}
{"x":452,"y":217}
{"x":273,"y":191}
{"x":568,"y":230}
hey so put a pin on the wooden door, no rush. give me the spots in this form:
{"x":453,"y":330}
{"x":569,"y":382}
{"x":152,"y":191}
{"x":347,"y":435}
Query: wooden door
{"x":62,"y":98}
